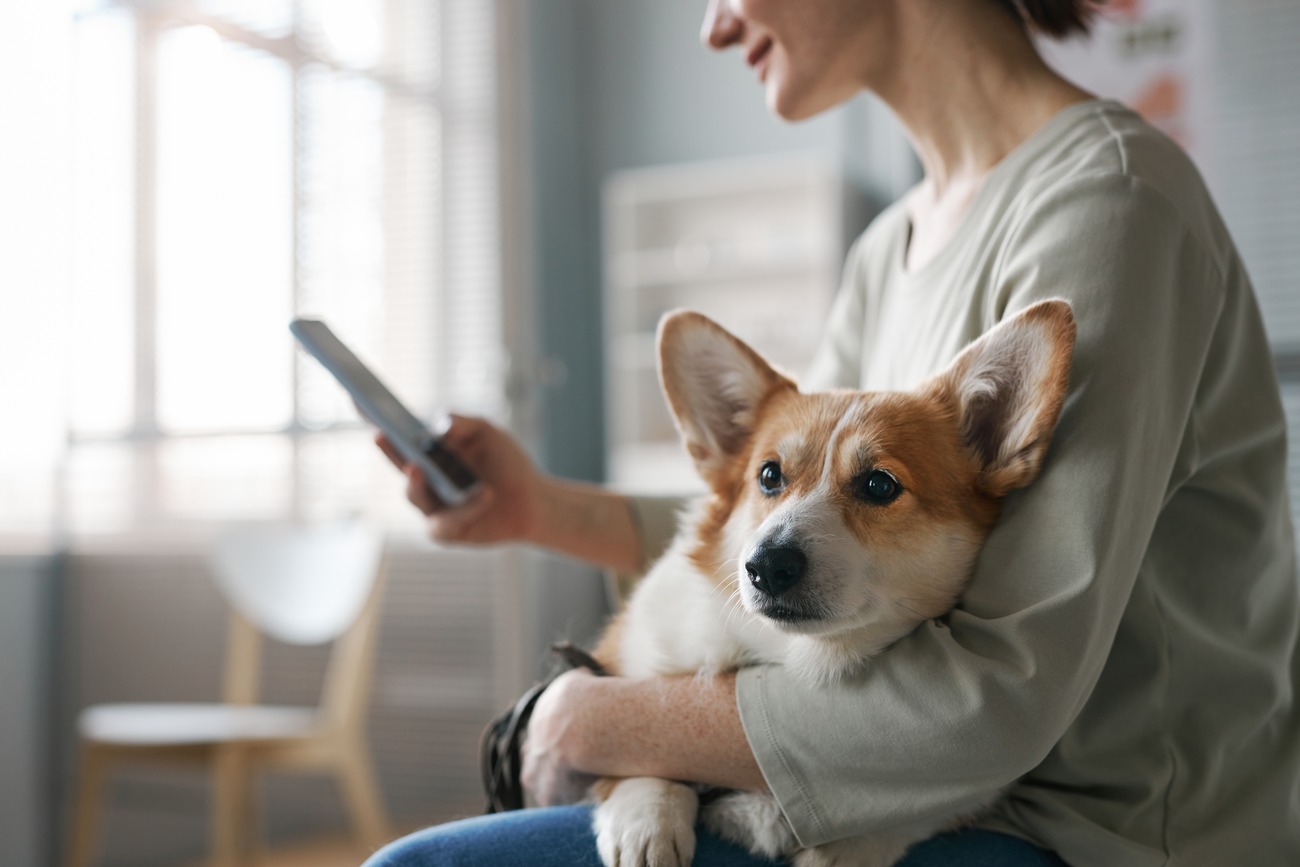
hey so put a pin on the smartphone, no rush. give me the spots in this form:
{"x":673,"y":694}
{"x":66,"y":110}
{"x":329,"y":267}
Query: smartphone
{"x":446,"y":475}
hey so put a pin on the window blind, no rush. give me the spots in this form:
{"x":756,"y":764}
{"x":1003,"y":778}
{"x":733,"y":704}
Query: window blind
{"x":239,"y":162}
{"x":1256,"y":172}
{"x":1255,"y":175}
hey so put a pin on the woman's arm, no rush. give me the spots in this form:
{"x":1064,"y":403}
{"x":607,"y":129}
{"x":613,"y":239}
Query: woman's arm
{"x":676,"y":728}
{"x":517,"y":503}
{"x":588,"y":522}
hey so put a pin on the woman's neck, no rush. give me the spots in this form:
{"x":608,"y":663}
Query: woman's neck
{"x":969,"y":87}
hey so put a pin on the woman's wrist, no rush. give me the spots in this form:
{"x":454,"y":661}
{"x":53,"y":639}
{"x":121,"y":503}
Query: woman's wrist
{"x":593,"y":746}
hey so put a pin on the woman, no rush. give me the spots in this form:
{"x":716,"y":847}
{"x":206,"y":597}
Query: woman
{"x":1123,"y":664}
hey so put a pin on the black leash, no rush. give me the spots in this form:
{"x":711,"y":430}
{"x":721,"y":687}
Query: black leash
{"x":500,"y":754}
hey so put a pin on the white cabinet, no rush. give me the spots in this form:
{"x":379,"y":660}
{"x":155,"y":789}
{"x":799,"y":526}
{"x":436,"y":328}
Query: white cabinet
{"x":757,"y":244}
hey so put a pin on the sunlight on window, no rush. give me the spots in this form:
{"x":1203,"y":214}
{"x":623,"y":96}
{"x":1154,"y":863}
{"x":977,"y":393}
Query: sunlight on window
{"x":236,"y":163}
{"x":104,"y":483}
{"x":34,"y":82}
{"x":341,"y":247}
{"x":341,"y":473}
{"x":225,"y":234}
{"x":101,"y":380}
{"x":350,"y":30}
{"x":225,"y":477}
{"x":273,"y":18}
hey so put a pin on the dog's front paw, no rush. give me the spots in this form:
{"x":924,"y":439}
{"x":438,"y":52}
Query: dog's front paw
{"x":647,"y":822}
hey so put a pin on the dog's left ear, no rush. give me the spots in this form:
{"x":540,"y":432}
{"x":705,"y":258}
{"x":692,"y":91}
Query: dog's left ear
{"x":1008,"y":387}
{"x":715,"y":385}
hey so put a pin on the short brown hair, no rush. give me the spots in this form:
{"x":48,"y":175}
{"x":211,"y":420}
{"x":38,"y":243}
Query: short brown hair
{"x":1057,"y":18}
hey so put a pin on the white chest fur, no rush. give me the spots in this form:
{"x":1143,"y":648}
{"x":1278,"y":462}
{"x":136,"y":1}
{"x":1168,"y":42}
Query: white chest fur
{"x":682,"y":622}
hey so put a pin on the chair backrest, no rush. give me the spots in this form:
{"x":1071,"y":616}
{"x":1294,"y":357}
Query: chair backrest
{"x":303,"y":585}
{"x":298,"y":584}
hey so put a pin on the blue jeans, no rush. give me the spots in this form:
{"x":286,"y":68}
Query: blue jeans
{"x":562,"y":837}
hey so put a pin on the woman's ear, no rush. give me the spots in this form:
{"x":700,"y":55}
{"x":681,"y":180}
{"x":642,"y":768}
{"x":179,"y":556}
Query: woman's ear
{"x":715,"y":385}
{"x":1008,"y":387}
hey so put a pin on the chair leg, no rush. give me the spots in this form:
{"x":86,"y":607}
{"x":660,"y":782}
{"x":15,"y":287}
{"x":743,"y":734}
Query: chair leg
{"x":252,"y":829}
{"x":90,"y":793}
{"x":361,"y":793}
{"x":229,"y":806}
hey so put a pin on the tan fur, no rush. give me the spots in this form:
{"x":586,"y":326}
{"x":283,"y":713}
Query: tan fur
{"x":608,"y":652}
{"x":604,"y":787}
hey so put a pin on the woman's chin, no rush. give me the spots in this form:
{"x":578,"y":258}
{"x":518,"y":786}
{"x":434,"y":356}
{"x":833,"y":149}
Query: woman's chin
{"x":791,"y":105}
{"x":789,"y":110}
{"x":781,"y":105}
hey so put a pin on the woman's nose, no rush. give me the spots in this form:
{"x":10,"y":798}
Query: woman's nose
{"x":722,"y":27}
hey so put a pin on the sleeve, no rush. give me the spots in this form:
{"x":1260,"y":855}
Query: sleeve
{"x":655,"y":520}
{"x":964,"y":706}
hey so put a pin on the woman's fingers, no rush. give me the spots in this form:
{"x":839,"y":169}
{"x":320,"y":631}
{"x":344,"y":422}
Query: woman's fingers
{"x":547,"y":772}
{"x":459,"y":524}
{"x":417,"y":491}
{"x":501,"y":467}
{"x":390,"y":451}
{"x":458,"y":431}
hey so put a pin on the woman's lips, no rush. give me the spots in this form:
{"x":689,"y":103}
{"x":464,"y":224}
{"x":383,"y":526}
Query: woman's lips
{"x":758,"y":56}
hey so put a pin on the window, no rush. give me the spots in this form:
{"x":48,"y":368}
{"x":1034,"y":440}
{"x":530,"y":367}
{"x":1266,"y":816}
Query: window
{"x":240,"y":162}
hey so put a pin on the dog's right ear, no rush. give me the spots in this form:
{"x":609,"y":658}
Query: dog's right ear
{"x":1008,"y":388}
{"x":715,"y":385}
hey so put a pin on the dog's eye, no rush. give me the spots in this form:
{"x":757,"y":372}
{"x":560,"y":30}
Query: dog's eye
{"x":769,"y":478}
{"x":880,"y":487}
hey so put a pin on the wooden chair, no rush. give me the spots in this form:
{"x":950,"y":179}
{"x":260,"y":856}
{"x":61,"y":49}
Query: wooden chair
{"x":296,"y":585}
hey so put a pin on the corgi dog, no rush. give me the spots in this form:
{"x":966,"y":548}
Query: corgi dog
{"x":835,"y":523}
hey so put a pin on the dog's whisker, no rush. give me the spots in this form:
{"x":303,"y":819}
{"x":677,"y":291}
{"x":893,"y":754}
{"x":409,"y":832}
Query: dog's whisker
{"x":734,"y":604}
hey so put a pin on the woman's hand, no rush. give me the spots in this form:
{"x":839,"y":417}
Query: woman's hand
{"x":553,"y":731}
{"x":507,"y":506}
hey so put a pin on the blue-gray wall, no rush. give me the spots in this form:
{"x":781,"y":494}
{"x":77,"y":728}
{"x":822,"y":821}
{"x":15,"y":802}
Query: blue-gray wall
{"x":656,"y":95}
{"x":27,"y":586}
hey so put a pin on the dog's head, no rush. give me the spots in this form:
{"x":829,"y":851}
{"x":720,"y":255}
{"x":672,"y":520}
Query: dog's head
{"x":850,"y":511}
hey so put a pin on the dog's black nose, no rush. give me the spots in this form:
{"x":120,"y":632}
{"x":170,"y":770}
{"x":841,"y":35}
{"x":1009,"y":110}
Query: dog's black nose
{"x":775,"y":569}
